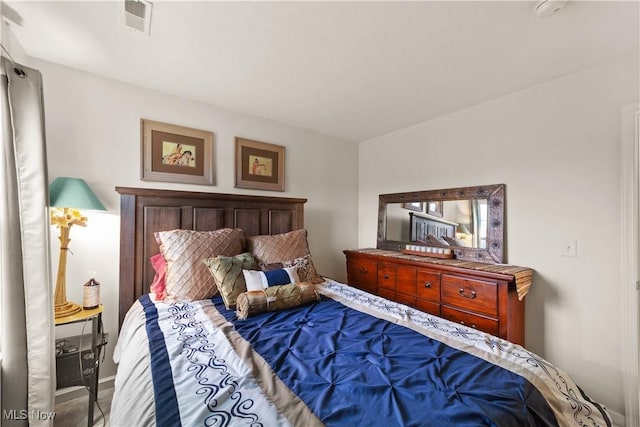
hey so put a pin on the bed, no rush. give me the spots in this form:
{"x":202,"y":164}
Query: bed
{"x":341,"y":358}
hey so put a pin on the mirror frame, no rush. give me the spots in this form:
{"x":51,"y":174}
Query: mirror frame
{"x":495,"y":195}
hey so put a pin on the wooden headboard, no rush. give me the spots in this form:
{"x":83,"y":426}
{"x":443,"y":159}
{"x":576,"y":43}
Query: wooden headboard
{"x":145,"y":211}
{"x":420,"y":227}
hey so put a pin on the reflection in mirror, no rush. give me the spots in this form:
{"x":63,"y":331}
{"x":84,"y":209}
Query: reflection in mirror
{"x":469,"y":220}
{"x":463,"y":223}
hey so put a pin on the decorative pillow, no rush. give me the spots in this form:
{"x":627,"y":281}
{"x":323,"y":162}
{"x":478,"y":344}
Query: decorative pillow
{"x":268,"y":267}
{"x":453,"y":242}
{"x":436,"y":241}
{"x":305,"y":268}
{"x":187,"y":277}
{"x":259,"y":280}
{"x":275,"y":298}
{"x":227,"y":273}
{"x":269,"y":249}
{"x":158,"y":286}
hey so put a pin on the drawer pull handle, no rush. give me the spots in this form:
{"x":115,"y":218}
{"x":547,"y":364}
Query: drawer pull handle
{"x":471,"y":296}
{"x":472,"y":325}
{"x":427,"y":285}
{"x":386,"y":276}
{"x":363,"y":270}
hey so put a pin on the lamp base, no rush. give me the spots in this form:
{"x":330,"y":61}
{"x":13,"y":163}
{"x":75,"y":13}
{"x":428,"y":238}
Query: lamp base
{"x":66,"y":309}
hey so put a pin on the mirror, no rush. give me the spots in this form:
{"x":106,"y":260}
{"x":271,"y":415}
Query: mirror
{"x":468,"y":220}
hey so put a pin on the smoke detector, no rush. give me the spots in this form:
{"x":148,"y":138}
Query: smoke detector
{"x":137,"y":15}
{"x":547,"y":8}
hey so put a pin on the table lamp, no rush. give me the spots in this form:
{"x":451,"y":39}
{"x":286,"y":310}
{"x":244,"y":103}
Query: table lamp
{"x":67,"y":196}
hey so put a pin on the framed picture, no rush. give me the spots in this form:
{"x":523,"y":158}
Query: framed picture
{"x":172,"y":153}
{"x":434,"y":208}
{"x":259,"y":165}
{"x":414,"y":206}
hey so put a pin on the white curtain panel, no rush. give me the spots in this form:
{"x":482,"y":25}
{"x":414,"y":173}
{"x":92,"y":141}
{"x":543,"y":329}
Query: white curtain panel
{"x":26,"y":303}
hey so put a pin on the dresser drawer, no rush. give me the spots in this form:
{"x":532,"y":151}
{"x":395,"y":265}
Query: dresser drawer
{"x":406,"y":299}
{"x":386,"y":293}
{"x":363,"y":274}
{"x":406,"y":281}
{"x":470,"y":294}
{"x":428,"y":306}
{"x":387,"y":276}
{"x":478,"y":322}
{"x":428,"y":285}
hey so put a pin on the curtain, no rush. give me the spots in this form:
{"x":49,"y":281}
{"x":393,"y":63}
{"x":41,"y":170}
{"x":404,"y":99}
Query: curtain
{"x":26,"y":306}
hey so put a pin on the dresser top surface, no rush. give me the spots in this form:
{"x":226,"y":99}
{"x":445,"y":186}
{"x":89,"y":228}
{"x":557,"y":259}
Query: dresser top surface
{"x":521,"y":275}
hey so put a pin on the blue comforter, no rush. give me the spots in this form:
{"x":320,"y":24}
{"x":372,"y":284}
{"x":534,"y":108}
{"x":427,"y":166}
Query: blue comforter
{"x":352,"y":359}
{"x":353,"y":369}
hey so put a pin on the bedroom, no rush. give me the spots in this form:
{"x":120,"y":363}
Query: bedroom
{"x":555,"y":142}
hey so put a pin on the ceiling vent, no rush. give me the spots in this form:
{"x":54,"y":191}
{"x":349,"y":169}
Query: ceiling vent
{"x":137,"y":15}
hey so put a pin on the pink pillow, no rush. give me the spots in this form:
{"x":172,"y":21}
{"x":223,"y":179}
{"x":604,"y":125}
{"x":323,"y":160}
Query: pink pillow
{"x":158,"y":286}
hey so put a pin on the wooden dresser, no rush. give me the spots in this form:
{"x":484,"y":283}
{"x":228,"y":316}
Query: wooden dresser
{"x":489,"y":297}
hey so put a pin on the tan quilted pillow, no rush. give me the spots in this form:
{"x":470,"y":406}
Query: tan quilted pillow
{"x":275,"y":298}
{"x":188,"y":278}
{"x":227,"y":273}
{"x":279,"y":247}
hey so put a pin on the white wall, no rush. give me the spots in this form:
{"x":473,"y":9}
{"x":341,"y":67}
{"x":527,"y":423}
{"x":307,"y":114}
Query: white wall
{"x":93,"y":132}
{"x":556,"y":147}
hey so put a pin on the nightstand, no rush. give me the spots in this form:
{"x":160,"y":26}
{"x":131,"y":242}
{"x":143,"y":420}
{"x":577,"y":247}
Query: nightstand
{"x":77,"y":358}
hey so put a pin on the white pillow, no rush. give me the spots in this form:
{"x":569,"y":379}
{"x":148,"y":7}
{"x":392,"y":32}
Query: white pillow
{"x":259,"y":280}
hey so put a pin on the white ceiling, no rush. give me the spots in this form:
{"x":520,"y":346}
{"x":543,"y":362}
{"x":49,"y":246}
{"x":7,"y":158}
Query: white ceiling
{"x":352,"y":70}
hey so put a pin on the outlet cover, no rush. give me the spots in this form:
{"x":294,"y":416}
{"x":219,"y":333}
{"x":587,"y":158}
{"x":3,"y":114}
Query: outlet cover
{"x":570,"y":247}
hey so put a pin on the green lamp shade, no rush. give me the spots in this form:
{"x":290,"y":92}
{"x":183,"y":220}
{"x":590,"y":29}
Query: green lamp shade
{"x":75,"y":193}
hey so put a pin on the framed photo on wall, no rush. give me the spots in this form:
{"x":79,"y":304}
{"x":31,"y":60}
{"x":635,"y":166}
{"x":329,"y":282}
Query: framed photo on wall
{"x":259,"y":165}
{"x":172,"y":153}
{"x":414,"y":206}
{"x":434,"y":208}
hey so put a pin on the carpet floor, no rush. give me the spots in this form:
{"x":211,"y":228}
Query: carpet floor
{"x":74,"y":412}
